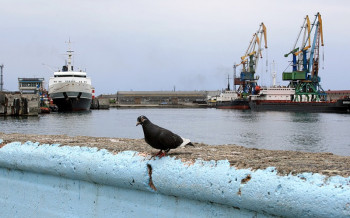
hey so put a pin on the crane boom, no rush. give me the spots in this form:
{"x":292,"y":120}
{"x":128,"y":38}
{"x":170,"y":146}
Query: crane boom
{"x":250,"y":59}
{"x":321,"y":29}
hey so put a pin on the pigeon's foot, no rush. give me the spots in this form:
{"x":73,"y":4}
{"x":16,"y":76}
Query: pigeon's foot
{"x":160,"y":154}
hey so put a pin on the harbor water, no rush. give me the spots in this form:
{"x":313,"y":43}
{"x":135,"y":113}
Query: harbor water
{"x":311,"y":132}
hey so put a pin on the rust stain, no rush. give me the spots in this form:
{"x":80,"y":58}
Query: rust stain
{"x":187,"y":162}
{"x":246,"y":179}
{"x":142,"y":154}
{"x":150,"y":183}
{"x":239,"y":192}
{"x":3,"y":144}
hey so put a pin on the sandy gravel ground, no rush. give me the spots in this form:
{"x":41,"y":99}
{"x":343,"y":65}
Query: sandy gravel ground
{"x":240,"y":157}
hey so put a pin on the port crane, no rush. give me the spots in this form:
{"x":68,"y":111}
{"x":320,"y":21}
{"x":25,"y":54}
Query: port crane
{"x":248,"y":81}
{"x":305,"y":63}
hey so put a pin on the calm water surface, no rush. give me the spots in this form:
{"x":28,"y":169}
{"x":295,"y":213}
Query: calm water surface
{"x":314,"y":132}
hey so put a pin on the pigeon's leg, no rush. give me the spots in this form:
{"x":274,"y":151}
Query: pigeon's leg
{"x":161,"y":155}
{"x":166,"y":151}
{"x":158,"y":154}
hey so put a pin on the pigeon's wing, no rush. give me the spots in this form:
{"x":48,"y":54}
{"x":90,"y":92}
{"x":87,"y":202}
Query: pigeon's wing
{"x":152,"y":133}
{"x":169,"y":140}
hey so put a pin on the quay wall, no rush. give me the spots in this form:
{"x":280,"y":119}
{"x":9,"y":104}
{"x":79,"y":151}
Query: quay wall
{"x":100,"y":103}
{"x":16,"y":104}
{"x":62,"y":181}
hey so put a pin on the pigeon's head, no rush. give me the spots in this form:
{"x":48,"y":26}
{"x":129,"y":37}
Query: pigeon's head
{"x":141,"y":120}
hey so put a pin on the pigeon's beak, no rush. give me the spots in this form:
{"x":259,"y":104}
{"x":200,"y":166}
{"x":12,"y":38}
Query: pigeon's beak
{"x":138,"y":123}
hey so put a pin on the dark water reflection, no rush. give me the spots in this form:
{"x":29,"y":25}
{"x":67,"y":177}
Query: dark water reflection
{"x":315,"y":132}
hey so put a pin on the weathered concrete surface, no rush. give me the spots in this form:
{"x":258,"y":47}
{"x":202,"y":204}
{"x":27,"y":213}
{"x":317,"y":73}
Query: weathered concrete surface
{"x":100,"y":103}
{"x":3,"y":103}
{"x":72,"y":181}
{"x":19,"y":104}
{"x":286,"y":162}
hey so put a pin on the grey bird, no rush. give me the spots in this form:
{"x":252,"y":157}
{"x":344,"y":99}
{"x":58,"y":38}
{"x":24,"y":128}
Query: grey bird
{"x":160,"y":138}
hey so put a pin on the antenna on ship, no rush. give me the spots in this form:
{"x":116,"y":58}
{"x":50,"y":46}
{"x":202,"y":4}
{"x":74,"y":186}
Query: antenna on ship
{"x":273,"y":73}
{"x":228,"y":82}
{"x":70,"y":54}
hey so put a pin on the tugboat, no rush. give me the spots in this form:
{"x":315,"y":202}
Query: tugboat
{"x":229,"y":99}
{"x":70,"y":90}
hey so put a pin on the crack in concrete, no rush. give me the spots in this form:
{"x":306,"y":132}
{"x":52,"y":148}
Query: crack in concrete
{"x":150,"y":183}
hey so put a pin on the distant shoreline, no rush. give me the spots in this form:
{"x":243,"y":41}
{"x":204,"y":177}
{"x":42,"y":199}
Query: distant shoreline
{"x":129,"y":106}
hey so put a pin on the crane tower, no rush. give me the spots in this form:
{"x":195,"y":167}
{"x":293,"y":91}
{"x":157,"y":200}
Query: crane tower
{"x":248,"y":81}
{"x":304,"y":76}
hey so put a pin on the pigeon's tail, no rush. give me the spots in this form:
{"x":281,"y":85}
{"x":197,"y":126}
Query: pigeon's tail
{"x":190,"y":143}
{"x":185,"y":142}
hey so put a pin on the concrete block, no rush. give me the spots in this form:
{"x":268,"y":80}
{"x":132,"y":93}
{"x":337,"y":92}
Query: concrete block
{"x":53,"y":180}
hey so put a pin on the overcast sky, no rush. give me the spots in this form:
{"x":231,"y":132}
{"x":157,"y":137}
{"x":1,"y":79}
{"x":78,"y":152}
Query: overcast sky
{"x":156,"y":45}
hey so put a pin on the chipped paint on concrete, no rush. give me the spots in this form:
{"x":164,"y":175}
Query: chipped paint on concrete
{"x":134,"y":185}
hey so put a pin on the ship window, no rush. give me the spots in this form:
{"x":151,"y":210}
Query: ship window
{"x":70,"y":76}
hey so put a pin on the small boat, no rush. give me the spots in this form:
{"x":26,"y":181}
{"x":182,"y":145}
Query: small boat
{"x":230,"y":99}
{"x":44,"y":110}
{"x":238,"y":104}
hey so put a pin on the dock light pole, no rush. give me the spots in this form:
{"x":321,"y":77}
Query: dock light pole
{"x":1,"y":78}
{"x":234,"y":76}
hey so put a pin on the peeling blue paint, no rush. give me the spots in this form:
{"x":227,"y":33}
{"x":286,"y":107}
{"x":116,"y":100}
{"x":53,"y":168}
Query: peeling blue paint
{"x":203,"y":184}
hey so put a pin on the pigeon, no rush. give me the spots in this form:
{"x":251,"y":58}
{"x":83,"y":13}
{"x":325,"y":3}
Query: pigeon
{"x":160,"y":138}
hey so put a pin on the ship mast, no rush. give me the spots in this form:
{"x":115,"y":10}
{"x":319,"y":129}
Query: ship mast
{"x":228,"y":82}
{"x":273,"y":74}
{"x":70,"y":54}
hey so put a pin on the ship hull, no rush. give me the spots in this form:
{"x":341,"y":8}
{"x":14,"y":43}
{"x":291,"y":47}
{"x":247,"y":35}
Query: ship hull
{"x":72,"y":104}
{"x":71,"y":96}
{"x":339,"y":106}
{"x":238,"y":104}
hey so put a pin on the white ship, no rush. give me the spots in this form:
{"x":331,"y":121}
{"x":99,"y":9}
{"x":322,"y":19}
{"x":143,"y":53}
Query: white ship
{"x":70,"y":90}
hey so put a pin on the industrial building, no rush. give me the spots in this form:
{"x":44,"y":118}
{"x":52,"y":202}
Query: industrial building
{"x":337,"y":94}
{"x":160,"y":97}
{"x":30,"y":85}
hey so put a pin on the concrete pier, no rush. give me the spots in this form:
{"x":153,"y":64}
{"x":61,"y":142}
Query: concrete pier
{"x":17,"y":104}
{"x":100,"y":103}
{"x":78,"y":181}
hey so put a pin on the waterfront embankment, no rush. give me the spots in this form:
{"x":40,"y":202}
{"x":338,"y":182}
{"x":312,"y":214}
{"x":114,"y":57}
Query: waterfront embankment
{"x":88,"y":176}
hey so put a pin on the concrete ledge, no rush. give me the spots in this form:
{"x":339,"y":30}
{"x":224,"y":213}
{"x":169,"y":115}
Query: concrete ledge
{"x":168,"y":186}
